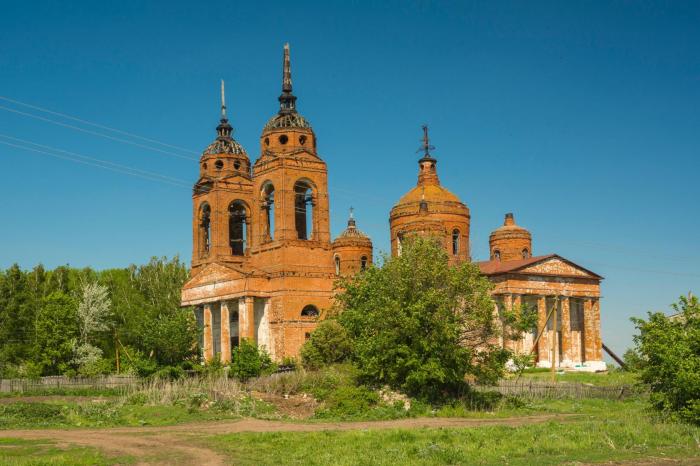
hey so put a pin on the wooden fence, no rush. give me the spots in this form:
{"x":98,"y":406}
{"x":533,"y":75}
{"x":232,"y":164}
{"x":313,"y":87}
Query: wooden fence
{"x":67,"y":383}
{"x":535,"y":389}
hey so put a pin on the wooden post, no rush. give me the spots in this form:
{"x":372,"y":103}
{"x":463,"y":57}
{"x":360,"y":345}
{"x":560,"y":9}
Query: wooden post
{"x":554,"y":340}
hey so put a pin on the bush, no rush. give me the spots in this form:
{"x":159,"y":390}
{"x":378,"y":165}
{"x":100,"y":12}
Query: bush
{"x":669,"y":359}
{"x":329,"y":344}
{"x":420,"y":325}
{"x":250,"y":361}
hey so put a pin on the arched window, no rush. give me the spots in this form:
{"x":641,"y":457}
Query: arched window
{"x":237,"y":231}
{"x":399,"y":243}
{"x":363,"y":263}
{"x":455,"y":242}
{"x":337,"y":265}
{"x":309,"y":311}
{"x":497,"y":254}
{"x":268,"y":206}
{"x":526,"y":253}
{"x":303,"y":209}
{"x":204,"y":229}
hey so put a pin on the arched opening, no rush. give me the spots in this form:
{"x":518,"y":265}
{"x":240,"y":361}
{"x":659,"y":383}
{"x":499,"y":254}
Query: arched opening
{"x":399,"y":244}
{"x":204,"y":229}
{"x":337,"y":265}
{"x":268,"y":206}
{"x":497,"y":254}
{"x":455,"y":242}
{"x":363,"y":263}
{"x":526,"y":253}
{"x":310,"y":311}
{"x":237,"y":229}
{"x":303,"y":209}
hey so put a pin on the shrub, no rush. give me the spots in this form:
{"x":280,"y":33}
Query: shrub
{"x":250,"y":361}
{"x":329,"y":344}
{"x":669,"y":359}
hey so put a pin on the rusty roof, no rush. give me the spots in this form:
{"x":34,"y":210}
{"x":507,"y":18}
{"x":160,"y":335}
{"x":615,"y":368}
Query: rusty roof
{"x":496,"y":267}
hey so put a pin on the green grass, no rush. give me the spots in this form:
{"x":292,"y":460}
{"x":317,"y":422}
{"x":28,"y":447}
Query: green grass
{"x":102,"y":392}
{"x":603,"y":432}
{"x":42,"y":452}
{"x":614,"y":377}
{"x":115,"y":413}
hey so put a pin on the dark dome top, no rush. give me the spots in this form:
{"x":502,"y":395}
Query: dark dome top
{"x":224,"y":146}
{"x":287,"y":120}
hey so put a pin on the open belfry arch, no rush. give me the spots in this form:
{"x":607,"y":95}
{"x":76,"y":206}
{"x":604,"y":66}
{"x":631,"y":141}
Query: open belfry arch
{"x":264,"y":266}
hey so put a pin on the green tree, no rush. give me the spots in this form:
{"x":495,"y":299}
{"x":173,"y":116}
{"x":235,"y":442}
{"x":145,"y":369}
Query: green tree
{"x":669,"y":359}
{"x":56,"y":332}
{"x":329,"y":343}
{"x":421,"y":325}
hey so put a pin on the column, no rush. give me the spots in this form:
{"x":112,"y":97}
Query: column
{"x":589,"y":339}
{"x":515,"y":305}
{"x":508,"y":307}
{"x":565,"y":332}
{"x":225,"y":333}
{"x":249,"y":332}
{"x":543,"y":342}
{"x":242,"y":325}
{"x":598,"y":348}
{"x":208,"y":343}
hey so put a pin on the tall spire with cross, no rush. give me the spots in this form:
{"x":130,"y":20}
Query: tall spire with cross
{"x":287,"y":99}
{"x":224,"y":130}
{"x":427,"y":173}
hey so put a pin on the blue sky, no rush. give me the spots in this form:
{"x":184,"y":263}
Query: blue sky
{"x":580,"y":117}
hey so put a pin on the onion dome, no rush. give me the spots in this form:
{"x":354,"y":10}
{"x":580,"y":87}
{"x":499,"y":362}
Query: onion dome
{"x":510,"y":241}
{"x":287,"y":117}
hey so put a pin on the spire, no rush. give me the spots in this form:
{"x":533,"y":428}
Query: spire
{"x":223,"y":100}
{"x":351,"y":219}
{"x":287,"y":99}
{"x":224,"y":130}
{"x":426,"y":147}
{"x":427,"y":173}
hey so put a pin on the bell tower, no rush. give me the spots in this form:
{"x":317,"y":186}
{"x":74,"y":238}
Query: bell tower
{"x":291,"y":180}
{"x":222,"y":200}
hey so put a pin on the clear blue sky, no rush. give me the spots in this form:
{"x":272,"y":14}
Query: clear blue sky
{"x":582,"y":118}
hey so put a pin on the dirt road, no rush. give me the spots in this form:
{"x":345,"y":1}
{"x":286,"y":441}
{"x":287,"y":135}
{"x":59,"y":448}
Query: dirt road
{"x":178,"y":444}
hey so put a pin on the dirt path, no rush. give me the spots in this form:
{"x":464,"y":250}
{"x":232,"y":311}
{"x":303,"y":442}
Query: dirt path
{"x":178,"y":444}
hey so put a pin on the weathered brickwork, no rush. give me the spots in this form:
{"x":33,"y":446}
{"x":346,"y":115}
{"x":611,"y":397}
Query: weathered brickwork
{"x":264,"y":266}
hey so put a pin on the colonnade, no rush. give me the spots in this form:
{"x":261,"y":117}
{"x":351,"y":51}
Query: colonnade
{"x":573,"y":342}
{"x":245,"y":308}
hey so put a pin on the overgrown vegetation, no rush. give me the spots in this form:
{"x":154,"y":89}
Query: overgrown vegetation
{"x":417,"y":324}
{"x":71,"y":321}
{"x":668,"y":357}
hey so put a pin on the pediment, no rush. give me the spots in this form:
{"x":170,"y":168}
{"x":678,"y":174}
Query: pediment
{"x":557,"y":266}
{"x":212,"y":274}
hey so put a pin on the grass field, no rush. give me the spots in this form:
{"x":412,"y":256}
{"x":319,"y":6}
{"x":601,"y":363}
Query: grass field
{"x":604,"y":431}
{"x":40,"y":452}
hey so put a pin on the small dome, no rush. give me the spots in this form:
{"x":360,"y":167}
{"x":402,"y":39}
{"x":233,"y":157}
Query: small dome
{"x":224,"y":145}
{"x":510,"y":241}
{"x":352,"y":232}
{"x":287,"y":120}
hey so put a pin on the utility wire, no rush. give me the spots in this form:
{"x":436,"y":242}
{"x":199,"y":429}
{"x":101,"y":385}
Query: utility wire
{"x":98,"y":161}
{"x":94,"y":133}
{"x":97,"y":125}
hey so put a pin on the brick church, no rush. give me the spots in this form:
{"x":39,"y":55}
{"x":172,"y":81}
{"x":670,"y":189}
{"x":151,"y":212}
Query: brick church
{"x":264,"y":264}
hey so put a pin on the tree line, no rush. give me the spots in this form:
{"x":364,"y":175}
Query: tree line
{"x":70,"y":321}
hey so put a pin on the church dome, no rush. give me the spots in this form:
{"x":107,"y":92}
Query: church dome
{"x":510,"y":241}
{"x":286,"y":120}
{"x":352,"y":233}
{"x":352,"y":250}
{"x":429,"y":209}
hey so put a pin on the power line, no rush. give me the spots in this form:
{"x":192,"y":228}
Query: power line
{"x":97,"y":125}
{"x":86,"y":162}
{"x":94,"y":133}
{"x":98,"y":161}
